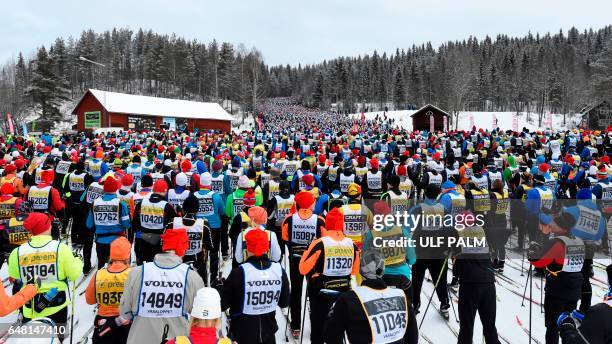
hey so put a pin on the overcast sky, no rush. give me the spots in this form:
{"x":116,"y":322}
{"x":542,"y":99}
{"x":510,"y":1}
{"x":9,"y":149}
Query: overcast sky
{"x":294,"y":31}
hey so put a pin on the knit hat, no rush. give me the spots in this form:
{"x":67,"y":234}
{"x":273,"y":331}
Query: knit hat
{"x":258,"y":215}
{"x":10,"y":169}
{"x":308,"y":179}
{"x":37,"y":223}
{"x":120,"y":249}
{"x":20,"y":164}
{"x":46,"y":176}
{"x":401,"y":170}
{"x":180,"y":179}
{"x":248,"y":199}
{"x":565,"y":220}
{"x":354,"y":190}
{"x":175,"y":239}
{"x":371,"y":264}
{"x":186,"y":166}
{"x":304,"y":199}
{"x":206,"y":179}
{"x":127,"y":180}
{"x":448,"y":185}
{"x":111,"y":185}
{"x":217,"y":165}
{"x":538,"y":179}
{"x":382,"y":208}
{"x":243,"y":182}
{"x":334,"y":221}
{"x":544,"y":167}
{"x":374,"y":163}
{"x":7,"y":189}
{"x":257,"y":242}
{"x":206,"y":304}
{"x":160,"y":186}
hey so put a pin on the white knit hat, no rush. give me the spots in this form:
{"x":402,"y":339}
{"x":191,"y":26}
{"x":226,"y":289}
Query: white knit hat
{"x":206,"y":179}
{"x":181,"y":179}
{"x":207,"y":304}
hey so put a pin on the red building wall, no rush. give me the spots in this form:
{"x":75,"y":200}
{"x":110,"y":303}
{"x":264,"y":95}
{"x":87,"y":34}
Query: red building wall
{"x":89,"y":103}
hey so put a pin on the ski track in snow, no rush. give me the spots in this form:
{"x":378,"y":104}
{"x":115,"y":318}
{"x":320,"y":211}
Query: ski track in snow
{"x":508,"y":308}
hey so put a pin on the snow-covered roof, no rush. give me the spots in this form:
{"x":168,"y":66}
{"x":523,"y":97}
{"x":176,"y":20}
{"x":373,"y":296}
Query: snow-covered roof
{"x":155,"y":106}
{"x":429,"y":106}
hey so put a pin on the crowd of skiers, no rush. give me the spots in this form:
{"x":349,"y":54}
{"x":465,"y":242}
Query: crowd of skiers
{"x":294,"y":213}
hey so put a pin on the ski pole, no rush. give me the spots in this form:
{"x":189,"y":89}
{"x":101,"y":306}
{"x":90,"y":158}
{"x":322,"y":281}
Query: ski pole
{"x":72,"y":311}
{"x":303,"y":314}
{"x":526,"y":282}
{"x":433,"y":292}
{"x":530,"y":304}
{"x":450,"y":300}
{"x":541,"y":294}
{"x":522,"y":260}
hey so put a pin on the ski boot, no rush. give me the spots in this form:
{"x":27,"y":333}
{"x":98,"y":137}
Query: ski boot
{"x":444,"y":310}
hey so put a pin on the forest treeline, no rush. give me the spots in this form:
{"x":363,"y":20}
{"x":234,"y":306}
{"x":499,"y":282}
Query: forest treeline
{"x":560,"y":72}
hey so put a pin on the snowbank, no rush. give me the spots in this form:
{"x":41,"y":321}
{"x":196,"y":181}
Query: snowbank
{"x":484,"y":120}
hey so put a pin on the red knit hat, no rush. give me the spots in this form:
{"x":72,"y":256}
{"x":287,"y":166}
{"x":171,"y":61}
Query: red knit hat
{"x":160,"y":186}
{"x":127,"y":180}
{"x":401,"y":170}
{"x":322,"y":158}
{"x":544,"y":167}
{"x":374,"y":163}
{"x":382,"y":208}
{"x":111,"y":185}
{"x":304,"y":199}
{"x":186,"y":166}
{"x":257,"y":242}
{"x":308,"y":179}
{"x":334,"y":221}
{"x":37,"y":223}
{"x":46,"y":176}
{"x":175,"y":239}
{"x":249,"y":198}
{"x":10,"y":169}
{"x":20,"y":163}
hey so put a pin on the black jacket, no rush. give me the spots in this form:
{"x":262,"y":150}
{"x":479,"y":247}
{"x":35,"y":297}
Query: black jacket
{"x":250,"y":328}
{"x":347,"y":316}
{"x":595,"y":327}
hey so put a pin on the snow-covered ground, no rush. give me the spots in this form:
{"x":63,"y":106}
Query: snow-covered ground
{"x":484,"y":120}
{"x":509,"y":309}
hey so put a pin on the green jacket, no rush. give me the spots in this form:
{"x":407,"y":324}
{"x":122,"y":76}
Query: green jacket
{"x":69,"y":268}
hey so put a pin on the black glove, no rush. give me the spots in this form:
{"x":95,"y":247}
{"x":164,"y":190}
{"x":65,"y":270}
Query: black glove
{"x":533,"y":252}
{"x":106,"y":326}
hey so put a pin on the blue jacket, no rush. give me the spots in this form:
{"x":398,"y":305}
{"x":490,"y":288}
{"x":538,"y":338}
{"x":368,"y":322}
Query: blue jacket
{"x":214,"y":220}
{"x":533,"y":202}
{"x":103,"y":231}
{"x":447,"y":201}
